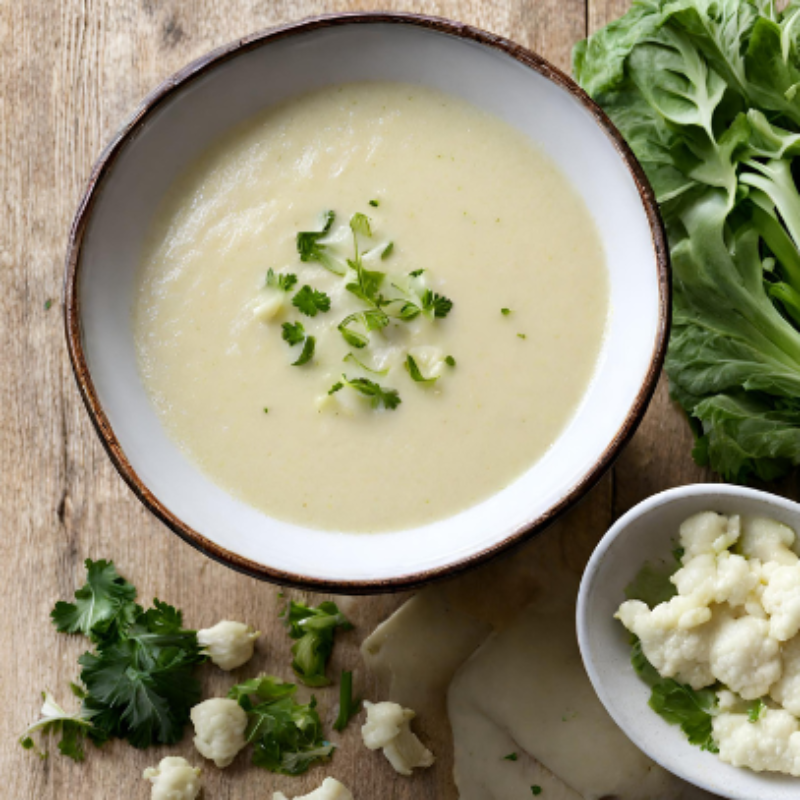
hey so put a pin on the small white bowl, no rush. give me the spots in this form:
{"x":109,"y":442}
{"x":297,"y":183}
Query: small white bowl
{"x":186,"y":114}
{"x":648,"y":533}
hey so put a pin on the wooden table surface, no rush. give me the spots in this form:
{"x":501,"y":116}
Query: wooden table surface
{"x":70,"y":72}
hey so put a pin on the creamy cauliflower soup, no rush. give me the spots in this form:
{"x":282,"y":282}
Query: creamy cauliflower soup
{"x":369,"y":308}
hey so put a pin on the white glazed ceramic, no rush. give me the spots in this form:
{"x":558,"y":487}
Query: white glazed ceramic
{"x":647,"y":533}
{"x":185,"y":115}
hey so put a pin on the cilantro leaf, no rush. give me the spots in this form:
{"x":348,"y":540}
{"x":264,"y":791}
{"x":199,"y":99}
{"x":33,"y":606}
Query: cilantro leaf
{"x":105,"y":601}
{"x":678,"y":703}
{"x":378,"y":395}
{"x":310,"y":302}
{"x":293,"y":332}
{"x":314,"y":629}
{"x":141,"y":687}
{"x":276,"y":280}
{"x":436,"y":304}
{"x":73,"y":728}
{"x":286,"y":736}
{"x":416,"y":375}
{"x":348,"y":707}
{"x":311,"y":249}
{"x":309,"y":345}
{"x":353,"y":360}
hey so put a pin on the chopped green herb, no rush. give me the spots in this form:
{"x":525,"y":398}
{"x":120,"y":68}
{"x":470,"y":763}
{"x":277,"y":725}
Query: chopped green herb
{"x":435,"y":303}
{"x":348,"y":707}
{"x":371,"y":320}
{"x":755,"y":708}
{"x":505,"y":311}
{"x":266,"y":410}
{"x":378,"y":395}
{"x":310,"y":302}
{"x":286,"y":736}
{"x":510,"y":757}
{"x":353,"y":360}
{"x":309,"y":345}
{"x":537,"y":790}
{"x":311,"y":249}
{"x":522,"y":336}
{"x":293,"y":332}
{"x":336,"y":387}
{"x":450,"y":361}
{"x":416,"y":273}
{"x":276,"y":280}
{"x":387,"y":251}
{"x":374,"y":203}
{"x":416,"y":375}
{"x":314,"y":629}
{"x":367,"y":283}
{"x":359,"y":224}
{"x":73,"y":729}
{"x":48,"y":304}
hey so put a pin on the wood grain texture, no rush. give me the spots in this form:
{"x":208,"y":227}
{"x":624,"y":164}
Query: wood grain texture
{"x":70,"y":71}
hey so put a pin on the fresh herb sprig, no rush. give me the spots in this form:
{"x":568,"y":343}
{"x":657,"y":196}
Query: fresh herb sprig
{"x":378,"y":395}
{"x":282,"y":281}
{"x":311,"y":248}
{"x":294,"y":333}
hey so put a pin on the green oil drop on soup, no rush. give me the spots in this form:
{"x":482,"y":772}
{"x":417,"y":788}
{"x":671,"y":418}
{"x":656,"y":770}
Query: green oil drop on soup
{"x":459,"y":204}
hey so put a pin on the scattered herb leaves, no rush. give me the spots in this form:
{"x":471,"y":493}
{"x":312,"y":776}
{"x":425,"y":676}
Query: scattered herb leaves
{"x":348,"y":707}
{"x":309,"y":345}
{"x":311,"y":249}
{"x":353,"y":360}
{"x":450,"y":361}
{"x":414,"y":371}
{"x":505,"y":311}
{"x":378,"y":395}
{"x":293,"y":332}
{"x":510,"y":757}
{"x":310,"y":302}
{"x":283,"y":282}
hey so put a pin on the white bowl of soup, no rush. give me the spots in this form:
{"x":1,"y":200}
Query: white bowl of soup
{"x":362,"y":301}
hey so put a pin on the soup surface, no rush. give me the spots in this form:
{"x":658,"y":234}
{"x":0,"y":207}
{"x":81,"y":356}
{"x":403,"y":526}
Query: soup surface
{"x":459,"y":193}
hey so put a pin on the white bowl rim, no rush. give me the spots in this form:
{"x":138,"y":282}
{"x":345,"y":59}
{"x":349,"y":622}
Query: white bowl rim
{"x":201,"y":66}
{"x":641,"y":509}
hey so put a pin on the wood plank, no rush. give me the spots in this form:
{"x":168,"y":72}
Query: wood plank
{"x":70,"y":73}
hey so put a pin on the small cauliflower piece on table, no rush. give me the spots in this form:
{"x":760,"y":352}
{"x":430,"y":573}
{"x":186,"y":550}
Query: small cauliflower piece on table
{"x":744,"y":656}
{"x":767,"y":540}
{"x":174,"y":779}
{"x":770,"y":743}
{"x":330,"y":789}
{"x":674,"y":636}
{"x":708,"y":532}
{"x":219,"y":725}
{"x":388,"y":727}
{"x":228,"y":644}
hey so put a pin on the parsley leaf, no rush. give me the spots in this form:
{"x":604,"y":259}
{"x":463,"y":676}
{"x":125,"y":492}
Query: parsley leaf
{"x":336,"y":387}
{"x":652,"y":584}
{"x":141,"y":686}
{"x":293,"y":332}
{"x":353,"y":360}
{"x":275,"y":280}
{"x":314,"y":630}
{"x":310,"y":301}
{"x":372,"y":319}
{"x":359,"y":224}
{"x":435,"y":303}
{"x":286,"y":736}
{"x":678,"y":703}
{"x":105,"y":601}
{"x":416,"y":273}
{"x":387,"y":251}
{"x":311,"y":249}
{"x":374,"y":203}
{"x":450,"y":361}
{"x":73,"y":729}
{"x":413,"y":370}
{"x":510,"y":757}
{"x":378,"y":395}
{"x":505,"y":311}
{"x":536,"y":790}
{"x":309,"y":345}
{"x":755,"y":708}
{"x":348,"y":707}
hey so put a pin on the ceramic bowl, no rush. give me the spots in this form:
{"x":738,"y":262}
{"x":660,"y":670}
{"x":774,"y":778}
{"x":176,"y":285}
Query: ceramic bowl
{"x":647,"y":533}
{"x":200,"y":103}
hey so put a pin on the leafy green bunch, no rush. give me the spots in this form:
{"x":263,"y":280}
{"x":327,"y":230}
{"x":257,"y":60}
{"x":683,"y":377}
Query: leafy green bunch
{"x":706,"y":94}
{"x":139,"y":680}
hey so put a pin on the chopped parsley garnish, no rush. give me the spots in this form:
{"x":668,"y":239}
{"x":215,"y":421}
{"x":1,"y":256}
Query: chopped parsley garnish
{"x":310,"y":302}
{"x":309,"y":345}
{"x":450,"y":361}
{"x":505,"y":311}
{"x":416,"y":375}
{"x":286,"y":735}
{"x":348,"y":707}
{"x":387,"y":251}
{"x":359,"y":224}
{"x":293,"y":332}
{"x":311,"y":249}
{"x":353,"y":360}
{"x":511,"y":757}
{"x":371,"y":320}
{"x":522,"y":336}
{"x":378,"y":395}
{"x":336,"y":387}
{"x":314,"y":629}
{"x":536,"y":790}
{"x":374,"y":203}
{"x":755,"y":708}
{"x":266,"y":410}
{"x":416,"y":273}
{"x":49,"y":303}
{"x":436,"y":304}
{"x":284,"y":282}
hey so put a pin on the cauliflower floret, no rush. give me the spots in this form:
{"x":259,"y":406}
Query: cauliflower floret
{"x":388,"y":727}
{"x":674,"y":637}
{"x":429,"y":359}
{"x":219,"y":725}
{"x":717,"y":578}
{"x":767,"y":540}
{"x":744,"y":656}
{"x":708,"y":532}
{"x":787,"y":690}
{"x":771,"y":743}
{"x":781,"y":600}
{"x":173,"y":779}
{"x":270,"y":306}
{"x":228,"y":644}
{"x":331,"y":789}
